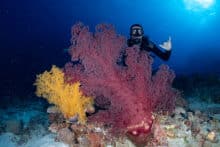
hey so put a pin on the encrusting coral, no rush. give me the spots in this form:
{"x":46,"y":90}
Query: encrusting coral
{"x":67,"y":97}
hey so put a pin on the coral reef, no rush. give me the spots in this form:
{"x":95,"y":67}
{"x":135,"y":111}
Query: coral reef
{"x":125,"y":96}
{"x":182,"y":128}
{"x":131,"y":91}
{"x":185,"y":128}
{"x":67,"y":97}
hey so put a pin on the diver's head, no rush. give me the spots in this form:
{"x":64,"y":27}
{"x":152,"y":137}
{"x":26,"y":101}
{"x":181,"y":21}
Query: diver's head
{"x":136,"y":33}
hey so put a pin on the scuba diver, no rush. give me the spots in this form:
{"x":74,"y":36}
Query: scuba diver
{"x":137,"y":38}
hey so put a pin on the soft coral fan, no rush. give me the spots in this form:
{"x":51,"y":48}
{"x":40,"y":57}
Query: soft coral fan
{"x":67,"y":97}
{"x":132,"y":92}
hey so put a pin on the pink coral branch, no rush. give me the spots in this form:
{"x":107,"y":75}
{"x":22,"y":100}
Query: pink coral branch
{"x":132,"y":92}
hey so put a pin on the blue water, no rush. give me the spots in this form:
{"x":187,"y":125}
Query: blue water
{"x":35,"y":34}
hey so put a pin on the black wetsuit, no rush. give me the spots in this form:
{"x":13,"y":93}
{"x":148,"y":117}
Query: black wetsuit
{"x":145,"y":45}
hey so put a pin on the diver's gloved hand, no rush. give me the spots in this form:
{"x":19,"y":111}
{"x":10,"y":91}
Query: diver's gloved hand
{"x":167,"y":45}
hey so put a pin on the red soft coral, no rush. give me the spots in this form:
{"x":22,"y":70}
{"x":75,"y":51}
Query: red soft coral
{"x":131,"y":92}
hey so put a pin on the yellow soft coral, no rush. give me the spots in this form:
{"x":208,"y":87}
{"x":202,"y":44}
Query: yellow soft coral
{"x":67,"y":97}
